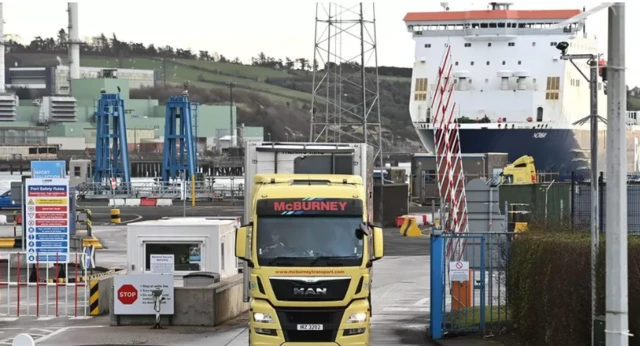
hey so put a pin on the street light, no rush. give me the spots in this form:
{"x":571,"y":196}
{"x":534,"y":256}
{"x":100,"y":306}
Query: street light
{"x":592,"y":61}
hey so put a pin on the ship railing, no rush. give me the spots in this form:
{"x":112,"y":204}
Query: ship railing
{"x":203,"y":190}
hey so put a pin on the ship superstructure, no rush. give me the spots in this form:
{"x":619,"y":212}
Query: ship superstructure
{"x":513,"y":92}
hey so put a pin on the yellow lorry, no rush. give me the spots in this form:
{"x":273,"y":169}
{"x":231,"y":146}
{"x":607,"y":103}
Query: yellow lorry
{"x":521,"y":171}
{"x":309,"y":247}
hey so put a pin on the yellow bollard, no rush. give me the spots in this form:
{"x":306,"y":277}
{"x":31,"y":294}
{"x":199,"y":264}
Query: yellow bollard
{"x":115,"y":216}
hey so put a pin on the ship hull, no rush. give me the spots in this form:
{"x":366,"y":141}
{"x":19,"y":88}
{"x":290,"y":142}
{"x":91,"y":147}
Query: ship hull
{"x":553,"y":150}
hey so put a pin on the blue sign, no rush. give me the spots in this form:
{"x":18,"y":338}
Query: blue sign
{"x":48,"y":169}
{"x":49,"y":219}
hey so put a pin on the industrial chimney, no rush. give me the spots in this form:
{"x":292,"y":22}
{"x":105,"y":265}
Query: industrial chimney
{"x":74,"y":42}
{"x":2,"y":88}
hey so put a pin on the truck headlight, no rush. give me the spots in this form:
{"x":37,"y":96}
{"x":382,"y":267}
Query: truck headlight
{"x":262,"y":317}
{"x":357,"y":317}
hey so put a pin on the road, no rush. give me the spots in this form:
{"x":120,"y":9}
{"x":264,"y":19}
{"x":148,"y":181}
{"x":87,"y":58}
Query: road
{"x":400,"y":295}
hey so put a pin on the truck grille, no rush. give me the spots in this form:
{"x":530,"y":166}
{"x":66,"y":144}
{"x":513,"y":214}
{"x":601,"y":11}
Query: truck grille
{"x":321,"y":291}
{"x":329,"y":318}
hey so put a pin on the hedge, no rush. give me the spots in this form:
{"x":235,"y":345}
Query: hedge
{"x":549,"y":287}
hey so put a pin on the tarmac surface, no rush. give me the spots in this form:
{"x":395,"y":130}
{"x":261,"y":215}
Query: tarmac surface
{"x":400,"y":295}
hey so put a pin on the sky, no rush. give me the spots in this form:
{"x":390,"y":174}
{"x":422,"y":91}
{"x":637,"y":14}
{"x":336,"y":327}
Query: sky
{"x":278,"y":28}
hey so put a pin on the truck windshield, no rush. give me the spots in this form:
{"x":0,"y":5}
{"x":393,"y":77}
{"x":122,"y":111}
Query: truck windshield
{"x":321,"y":241}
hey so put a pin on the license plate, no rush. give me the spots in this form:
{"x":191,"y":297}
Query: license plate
{"x":309,"y":327}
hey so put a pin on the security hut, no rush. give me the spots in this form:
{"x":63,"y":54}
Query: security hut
{"x":197,"y":244}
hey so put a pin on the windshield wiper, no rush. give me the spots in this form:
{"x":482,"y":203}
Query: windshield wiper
{"x":273,"y":260}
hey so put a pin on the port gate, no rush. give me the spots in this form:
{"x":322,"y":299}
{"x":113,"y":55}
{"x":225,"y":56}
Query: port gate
{"x":468,"y":294}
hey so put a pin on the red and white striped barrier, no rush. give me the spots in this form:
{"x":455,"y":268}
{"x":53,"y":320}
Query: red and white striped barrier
{"x":140,"y":202}
{"x":422,"y":219}
{"x":43,"y":289}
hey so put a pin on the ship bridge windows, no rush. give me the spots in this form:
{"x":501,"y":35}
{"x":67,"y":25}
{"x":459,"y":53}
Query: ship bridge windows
{"x":427,"y":45}
{"x":467,"y":45}
{"x":553,"y":88}
{"x":420,"y":90}
{"x":511,"y":44}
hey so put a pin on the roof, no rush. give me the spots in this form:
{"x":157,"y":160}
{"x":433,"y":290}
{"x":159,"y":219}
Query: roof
{"x":451,"y":16}
{"x":185,"y":221}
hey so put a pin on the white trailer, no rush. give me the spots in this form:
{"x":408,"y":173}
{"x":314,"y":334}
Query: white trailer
{"x":308,"y":158}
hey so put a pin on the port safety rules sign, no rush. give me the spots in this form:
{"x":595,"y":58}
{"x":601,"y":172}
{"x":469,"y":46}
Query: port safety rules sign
{"x":47,"y":220}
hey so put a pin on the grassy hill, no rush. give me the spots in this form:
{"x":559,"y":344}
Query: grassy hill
{"x":278,"y":99}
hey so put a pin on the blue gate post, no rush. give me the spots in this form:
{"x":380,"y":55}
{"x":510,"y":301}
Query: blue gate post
{"x":437,"y":284}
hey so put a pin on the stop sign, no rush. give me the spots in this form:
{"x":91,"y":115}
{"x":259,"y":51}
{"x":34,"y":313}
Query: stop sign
{"x":127,"y":294}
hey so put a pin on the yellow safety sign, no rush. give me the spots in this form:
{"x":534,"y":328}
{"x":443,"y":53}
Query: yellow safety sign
{"x":30,"y":202}
{"x":51,"y":201}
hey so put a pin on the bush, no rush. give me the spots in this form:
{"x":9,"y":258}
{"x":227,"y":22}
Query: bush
{"x":549,"y":287}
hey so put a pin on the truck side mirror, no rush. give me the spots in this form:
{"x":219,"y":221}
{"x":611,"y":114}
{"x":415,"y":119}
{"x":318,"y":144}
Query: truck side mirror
{"x":378,"y":243}
{"x":241,"y":243}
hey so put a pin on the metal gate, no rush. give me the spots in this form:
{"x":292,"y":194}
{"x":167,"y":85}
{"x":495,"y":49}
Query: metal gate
{"x":468,"y":295}
{"x":39,"y":289}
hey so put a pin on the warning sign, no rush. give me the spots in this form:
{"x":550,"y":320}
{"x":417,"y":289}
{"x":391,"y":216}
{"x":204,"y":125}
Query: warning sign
{"x":51,"y":201}
{"x":459,"y":271}
{"x":30,"y":202}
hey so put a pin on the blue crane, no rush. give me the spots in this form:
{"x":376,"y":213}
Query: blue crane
{"x":179,"y":139}
{"x":112,"y":156}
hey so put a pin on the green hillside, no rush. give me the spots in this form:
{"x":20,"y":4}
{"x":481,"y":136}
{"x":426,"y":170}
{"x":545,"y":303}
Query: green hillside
{"x":278,"y":99}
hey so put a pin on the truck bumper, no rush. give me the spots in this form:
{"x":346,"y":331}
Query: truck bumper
{"x":263,"y":340}
{"x":279,"y":326}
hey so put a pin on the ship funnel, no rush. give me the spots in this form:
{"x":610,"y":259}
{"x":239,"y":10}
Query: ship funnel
{"x":74,"y":42}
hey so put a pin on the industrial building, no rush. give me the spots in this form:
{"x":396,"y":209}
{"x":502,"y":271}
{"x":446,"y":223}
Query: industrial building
{"x":69,"y":121}
{"x":55,"y":79}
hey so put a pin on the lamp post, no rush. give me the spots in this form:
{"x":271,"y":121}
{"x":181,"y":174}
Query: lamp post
{"x":593,"y":117}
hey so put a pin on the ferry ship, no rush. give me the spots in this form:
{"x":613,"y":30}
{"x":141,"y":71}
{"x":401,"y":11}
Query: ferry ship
{"x":513,"y":92}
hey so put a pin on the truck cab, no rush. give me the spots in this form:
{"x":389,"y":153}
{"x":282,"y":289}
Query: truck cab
{"x":309,"y":249}
{"x":521,"y":171}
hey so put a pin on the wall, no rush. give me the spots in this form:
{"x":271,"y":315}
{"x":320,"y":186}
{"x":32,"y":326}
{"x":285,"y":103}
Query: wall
{"x":195,"y":306}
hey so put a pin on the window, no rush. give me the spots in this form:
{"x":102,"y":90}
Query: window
{"x":456,"y":63}
{"x":420,"y":89}
{"x":303,"y":241}
{"x":472,"y":63}
{"x":430,"y":176}
{"x":186,"y":255}
{"x":533,"y":44}
{"x":553,"y":44}
{"x":467,"y":45}
{"x":519,"y":62}
{"x":511,"y":44}
{"x":427,"y":45}
{"x":488,"y":63}
{"x":553,"y":88}
{"x":76,"y":172}
{"x":489,"y":44}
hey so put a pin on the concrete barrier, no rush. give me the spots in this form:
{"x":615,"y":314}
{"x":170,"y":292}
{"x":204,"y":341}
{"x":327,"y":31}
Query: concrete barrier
{"x":194,"y":306}
{"x":163,"y":202}
{"x":132,"y":202}
{"x":118,"y":202}
{"x":3,"y":219}
{"x":410,"y":228}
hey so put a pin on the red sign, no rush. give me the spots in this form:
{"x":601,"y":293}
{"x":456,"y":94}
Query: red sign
{"x":49,"y":209}
{"x":127,"y":294}
{"x":50,"y":222}
{"x":51,"y":216}
{"x":310,"y":206}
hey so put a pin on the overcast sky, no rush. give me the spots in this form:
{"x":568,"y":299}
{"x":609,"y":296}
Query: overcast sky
{"x":279,"y":28}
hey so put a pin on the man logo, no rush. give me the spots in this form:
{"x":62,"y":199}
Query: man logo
{"x":540,"y":135}
{"x":309,"y":291}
